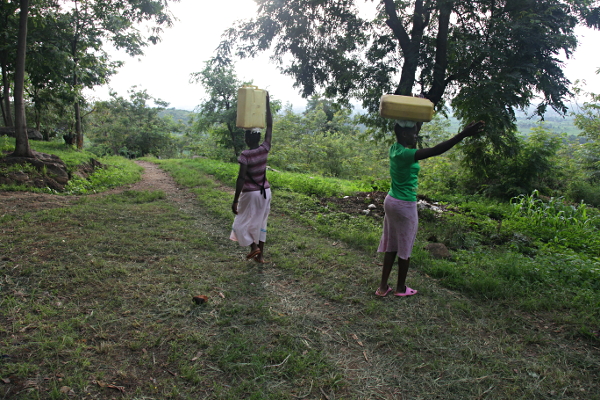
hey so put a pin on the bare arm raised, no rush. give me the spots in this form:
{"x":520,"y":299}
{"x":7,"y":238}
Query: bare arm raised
{"x":470,"y":130}
{"x":269,"y":131}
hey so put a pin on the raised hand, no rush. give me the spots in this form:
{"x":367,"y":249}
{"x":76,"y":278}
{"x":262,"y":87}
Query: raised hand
{"x":472,"y":129}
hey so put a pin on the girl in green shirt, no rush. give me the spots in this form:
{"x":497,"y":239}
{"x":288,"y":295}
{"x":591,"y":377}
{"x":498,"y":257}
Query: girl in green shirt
{"x":401,"y":219}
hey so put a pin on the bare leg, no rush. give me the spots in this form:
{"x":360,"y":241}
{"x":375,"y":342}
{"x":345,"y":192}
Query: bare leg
{"x":402,"y":272}
{"x":388,"y":263}
{"x":260,"y":258}
{"x":253,"y":251}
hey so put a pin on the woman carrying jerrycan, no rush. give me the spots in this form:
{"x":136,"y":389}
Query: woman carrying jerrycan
{"x":401,"y":219}
{"x":252,"y":199}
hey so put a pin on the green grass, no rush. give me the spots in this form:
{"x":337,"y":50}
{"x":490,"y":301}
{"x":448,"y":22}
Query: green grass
{"x":496,"y":250}
{"x":117,"y":171}
{"x":97,"y":296}
{"x":187,"y":171}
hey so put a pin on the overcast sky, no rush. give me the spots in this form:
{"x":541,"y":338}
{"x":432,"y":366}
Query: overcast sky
{"x":164,"y":71}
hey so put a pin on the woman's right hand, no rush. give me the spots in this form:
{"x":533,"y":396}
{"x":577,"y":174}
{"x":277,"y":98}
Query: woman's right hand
{"x":234,"y":207}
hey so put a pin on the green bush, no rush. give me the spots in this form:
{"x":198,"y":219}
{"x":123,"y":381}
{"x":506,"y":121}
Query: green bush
{"x":581,"y":191}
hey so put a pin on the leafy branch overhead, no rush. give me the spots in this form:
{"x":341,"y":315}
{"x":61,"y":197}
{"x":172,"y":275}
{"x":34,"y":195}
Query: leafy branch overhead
{"x":484,"y":58}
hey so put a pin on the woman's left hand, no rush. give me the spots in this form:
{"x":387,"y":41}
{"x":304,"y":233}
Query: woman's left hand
{"x":234,"y":207}
{"x":473,"y":128}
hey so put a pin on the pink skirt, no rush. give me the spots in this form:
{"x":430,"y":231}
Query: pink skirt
{"x":400,"y":226}
{"x":250,"y":223}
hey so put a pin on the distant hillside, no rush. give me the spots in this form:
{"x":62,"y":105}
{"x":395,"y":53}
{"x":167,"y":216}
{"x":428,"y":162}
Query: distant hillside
{"x":178,"y":115}
{"x":553,"y":122}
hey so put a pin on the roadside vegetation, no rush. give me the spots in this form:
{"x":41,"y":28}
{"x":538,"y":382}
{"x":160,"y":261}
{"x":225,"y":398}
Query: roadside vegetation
{"x":113,"y":170}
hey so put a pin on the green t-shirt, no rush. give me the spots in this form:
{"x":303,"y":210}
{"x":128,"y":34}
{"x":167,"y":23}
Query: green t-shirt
{"x":404,"y":171}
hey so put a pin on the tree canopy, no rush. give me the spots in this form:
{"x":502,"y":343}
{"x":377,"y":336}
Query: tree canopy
{"x":217,"y":112}
{"x":484,"y":58}
{"x":66,"y":47}
{"x":133,"y":127}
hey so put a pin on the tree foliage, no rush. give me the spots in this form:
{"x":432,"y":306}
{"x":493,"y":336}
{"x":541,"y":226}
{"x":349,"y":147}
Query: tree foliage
{"x":484,"y":58}
{"x":588,"y":120}
{"x":217,"y":113}
{"x":132,"y":127}
{"x":67,"y":48}
{"x":330,"y":144}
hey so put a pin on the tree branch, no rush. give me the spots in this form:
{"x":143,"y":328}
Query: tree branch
{"x":396,"y":25}
{"x":441,"y":54}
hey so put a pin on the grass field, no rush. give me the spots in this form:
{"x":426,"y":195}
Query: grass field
{"x":97,"y":304}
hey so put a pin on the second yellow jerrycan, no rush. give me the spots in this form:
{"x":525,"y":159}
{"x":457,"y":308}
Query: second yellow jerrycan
{"x":407,"y":108}
{"x":251,"y":107}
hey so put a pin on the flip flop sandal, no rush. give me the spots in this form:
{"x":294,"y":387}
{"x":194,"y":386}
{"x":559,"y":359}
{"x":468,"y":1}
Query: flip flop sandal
{"x":378,"y":293}
{"x":407,"y":292}
{"x":259,"y":261}
{"x":253,"y":254}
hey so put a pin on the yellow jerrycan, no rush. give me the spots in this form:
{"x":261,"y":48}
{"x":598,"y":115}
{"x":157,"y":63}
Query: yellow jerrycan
{"x":251,"y":107}
{"x":406,"y":107}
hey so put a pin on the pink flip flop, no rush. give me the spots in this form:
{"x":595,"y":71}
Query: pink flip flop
{"x":407,"y":292}
{"x":378,"y":293}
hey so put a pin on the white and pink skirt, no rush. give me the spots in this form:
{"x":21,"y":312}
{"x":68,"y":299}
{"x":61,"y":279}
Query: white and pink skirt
{"x":400,"y":226}
{"x":250,"y":223}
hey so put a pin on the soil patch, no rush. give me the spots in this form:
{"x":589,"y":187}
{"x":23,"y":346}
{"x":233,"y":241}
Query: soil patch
{"x":367,"y":203}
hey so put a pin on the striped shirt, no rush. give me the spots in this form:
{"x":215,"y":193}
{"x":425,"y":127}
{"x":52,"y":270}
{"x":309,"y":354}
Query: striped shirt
{"x":256,"y":160}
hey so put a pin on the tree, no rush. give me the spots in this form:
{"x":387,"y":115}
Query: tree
{"x":91,"y":23}
{"x":218,"y":112}
{"x":588,"y":120}
{"x":22,"y":148}
{"x":8,"y":42}
{"x":69,"y":39}
{"x":132,"y":128}
{"x":485,"y":58}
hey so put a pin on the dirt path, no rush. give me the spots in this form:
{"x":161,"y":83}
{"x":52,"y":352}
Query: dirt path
{"x":153,"y":178}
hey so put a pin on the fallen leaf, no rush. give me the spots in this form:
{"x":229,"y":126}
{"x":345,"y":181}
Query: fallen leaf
{"x":201,"y":299}
{"x":357,"y":341}
{"x":119,"y":388}
{"x":65,"y":389}
{"x":28,"y":327}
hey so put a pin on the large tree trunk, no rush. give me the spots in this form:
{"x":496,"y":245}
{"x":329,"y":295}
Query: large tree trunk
{"x":409,"y":44}
{"x":6,"y":109}
{"x":78,"y":130}
{"x":441,"y":54}
{"x":22,"y":148}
